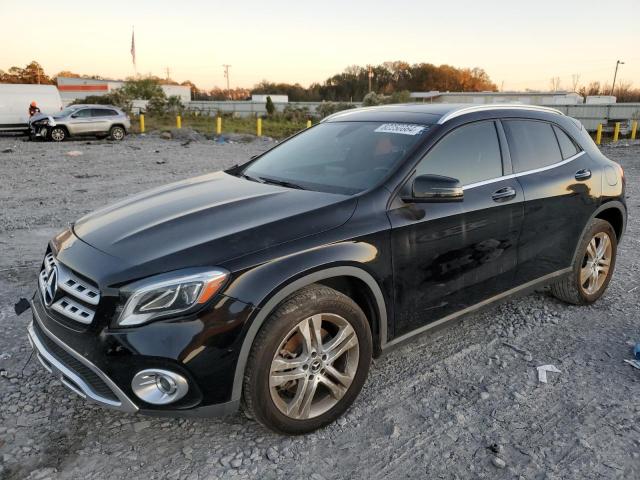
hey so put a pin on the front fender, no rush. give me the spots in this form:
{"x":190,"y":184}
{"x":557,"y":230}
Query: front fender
{"x":266,"y":285}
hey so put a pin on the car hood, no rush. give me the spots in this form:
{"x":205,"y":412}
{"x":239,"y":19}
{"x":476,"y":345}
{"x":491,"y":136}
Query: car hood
{"x":207,"y":220}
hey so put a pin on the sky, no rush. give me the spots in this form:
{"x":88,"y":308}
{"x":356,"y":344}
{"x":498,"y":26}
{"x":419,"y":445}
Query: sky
{"x":520,"y":44}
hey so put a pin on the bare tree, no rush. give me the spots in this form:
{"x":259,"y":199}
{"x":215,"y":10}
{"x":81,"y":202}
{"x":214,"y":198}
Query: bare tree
{"x":555,"y":84}
{"x":575,"y":79}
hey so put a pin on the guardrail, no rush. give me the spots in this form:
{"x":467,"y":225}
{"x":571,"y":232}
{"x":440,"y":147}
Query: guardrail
{"x":589,"y":114}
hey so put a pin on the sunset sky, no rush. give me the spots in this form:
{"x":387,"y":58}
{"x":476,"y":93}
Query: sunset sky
{"x":522,"y":44}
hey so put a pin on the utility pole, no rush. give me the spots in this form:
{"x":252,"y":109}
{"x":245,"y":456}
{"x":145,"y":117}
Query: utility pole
{"x":370,"y":74}
{"x":226,"y":75}
{"x":618,"y":62}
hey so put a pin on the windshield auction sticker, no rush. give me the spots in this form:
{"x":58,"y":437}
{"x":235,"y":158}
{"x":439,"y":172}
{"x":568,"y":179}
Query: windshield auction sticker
{"x":400,"y":128}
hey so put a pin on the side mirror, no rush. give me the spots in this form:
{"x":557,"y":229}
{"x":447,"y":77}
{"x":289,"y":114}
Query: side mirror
{"x":436,"y":188}
{"x":74,"y":116}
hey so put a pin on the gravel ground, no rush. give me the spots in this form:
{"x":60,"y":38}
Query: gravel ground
{"x":464,"y":402}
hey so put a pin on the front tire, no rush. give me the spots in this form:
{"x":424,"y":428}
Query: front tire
{"x":308,"y":362}
{"x":593,"y":267}
{"x":58,"y":134}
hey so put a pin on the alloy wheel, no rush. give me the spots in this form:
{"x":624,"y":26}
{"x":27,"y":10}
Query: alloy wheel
{"x":57,"y":134}
{"x":117,"y":133}
{"x":596,"y":263}
{"x":314,"y":366}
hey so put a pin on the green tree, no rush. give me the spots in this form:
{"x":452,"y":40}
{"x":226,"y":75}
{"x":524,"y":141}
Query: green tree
{"x":143,"y":89}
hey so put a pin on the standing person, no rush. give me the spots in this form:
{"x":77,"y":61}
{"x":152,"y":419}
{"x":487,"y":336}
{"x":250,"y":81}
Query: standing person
{"x":33,"y":109}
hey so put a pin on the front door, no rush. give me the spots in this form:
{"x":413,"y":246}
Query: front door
{"x":81,"y":122}
{"x":449,"y":256}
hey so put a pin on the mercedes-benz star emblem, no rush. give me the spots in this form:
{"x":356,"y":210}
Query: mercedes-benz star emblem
{"x":51,"y":287}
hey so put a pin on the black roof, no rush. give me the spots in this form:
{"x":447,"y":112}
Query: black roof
{"x":425,"y":113}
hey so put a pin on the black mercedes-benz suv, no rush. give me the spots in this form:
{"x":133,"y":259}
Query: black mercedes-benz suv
{"x":272,"y":285}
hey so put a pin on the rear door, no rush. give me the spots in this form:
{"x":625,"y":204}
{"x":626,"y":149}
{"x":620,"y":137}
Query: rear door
{"x":101,"y":120}
{"x":448,"y":256}
{"x":557,"y":177}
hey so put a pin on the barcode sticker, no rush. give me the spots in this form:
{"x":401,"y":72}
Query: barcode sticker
{"x":400,"y":128}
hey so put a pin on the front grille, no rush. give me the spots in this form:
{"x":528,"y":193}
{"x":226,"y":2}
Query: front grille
{"x":72,"y":363}
{"x":77,"y":298}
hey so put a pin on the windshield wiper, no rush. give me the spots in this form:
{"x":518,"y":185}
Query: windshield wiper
{"x":282,"y":183}
{"x":253,"y":179}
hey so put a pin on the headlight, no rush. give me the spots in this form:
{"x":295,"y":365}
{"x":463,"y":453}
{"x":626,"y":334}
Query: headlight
{"x":168,"y":295}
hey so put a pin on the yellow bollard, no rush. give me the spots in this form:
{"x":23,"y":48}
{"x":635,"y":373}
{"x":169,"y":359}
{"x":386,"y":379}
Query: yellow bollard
{"x":308,"y":123}
{"x":259,"y":127}
{"x":599,"y":134}
{"x":634,"y":128}
{"x":616,"y":132}
{"x":142,"y":123}
{"x":218,"y":125}
{"x":178,"y":121}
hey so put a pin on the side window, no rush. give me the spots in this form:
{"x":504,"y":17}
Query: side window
{"x":470,"y":153}
{"x":100,"y":112}
{"x":84,"y":113}
{"x":567,"y":146}
{"x":532,"y":144}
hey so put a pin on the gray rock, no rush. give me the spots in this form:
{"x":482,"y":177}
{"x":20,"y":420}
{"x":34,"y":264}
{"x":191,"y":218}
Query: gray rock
{"x":498,"y":462}
{"x":272,"y":454}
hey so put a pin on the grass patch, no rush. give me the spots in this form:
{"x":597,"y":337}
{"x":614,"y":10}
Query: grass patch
{"x":271,"y":127}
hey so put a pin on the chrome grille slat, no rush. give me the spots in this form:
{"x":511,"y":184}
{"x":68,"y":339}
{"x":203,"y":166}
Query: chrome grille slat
{"x":71,"y":284}
{"x":78,"y":292}
{"x":73,"y":310}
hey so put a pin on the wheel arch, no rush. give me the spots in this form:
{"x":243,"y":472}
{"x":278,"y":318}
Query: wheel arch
{"x":121,"y":125}
{"x":344,"y":278}
{"x":615,"y":216}
{"x":63,"y":127}
{"x":614,"y":212}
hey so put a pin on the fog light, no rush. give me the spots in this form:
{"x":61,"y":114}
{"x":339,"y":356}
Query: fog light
{"x":159,"y":387}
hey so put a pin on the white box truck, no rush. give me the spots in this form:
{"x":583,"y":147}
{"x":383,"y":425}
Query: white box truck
{"x":15,"y":100}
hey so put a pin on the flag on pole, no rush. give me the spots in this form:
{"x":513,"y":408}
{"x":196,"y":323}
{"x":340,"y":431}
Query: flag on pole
{"x":133,"y":47}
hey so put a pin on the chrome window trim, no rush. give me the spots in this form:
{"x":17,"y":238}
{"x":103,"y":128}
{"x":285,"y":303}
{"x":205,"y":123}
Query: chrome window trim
{"x":60,"y":370}
{"x":522,"y":174}
{"x":496,"y":106}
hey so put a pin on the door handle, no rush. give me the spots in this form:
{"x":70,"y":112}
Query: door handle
{"x":503,"y":194}
{"x":583,"y":174}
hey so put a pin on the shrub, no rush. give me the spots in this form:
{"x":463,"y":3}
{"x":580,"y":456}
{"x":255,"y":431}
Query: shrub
{"x":270,"y":106}
{"x":327,"y":108}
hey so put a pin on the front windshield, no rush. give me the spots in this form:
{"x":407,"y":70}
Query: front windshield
{"x":338,"y":157}
{"x":66,"y":111}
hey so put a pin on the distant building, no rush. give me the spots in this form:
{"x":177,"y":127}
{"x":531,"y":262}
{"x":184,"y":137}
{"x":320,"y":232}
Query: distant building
{"x":72,"y":89}
{"x":274,"y":98}
{"x":480,"y":98}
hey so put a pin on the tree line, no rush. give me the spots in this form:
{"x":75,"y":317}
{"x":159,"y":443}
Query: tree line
{"x":351,"y":85}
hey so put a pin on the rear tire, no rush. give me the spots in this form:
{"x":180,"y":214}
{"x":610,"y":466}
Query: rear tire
{"x":117,"y":133}
{"x":308,"y":362}
{"x":593,"y":267}
{"x":58,"y":134}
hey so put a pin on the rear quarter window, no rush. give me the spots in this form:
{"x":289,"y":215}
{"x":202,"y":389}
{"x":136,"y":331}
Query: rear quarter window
{"x":532,"y":144}
{"x":567,"y":146}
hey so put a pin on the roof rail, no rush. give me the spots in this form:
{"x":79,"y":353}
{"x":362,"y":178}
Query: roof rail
{"x":495,"y":106}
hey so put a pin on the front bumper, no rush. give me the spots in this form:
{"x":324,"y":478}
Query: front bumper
{"x":82,"y":364}
{"x":75,"y":371}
